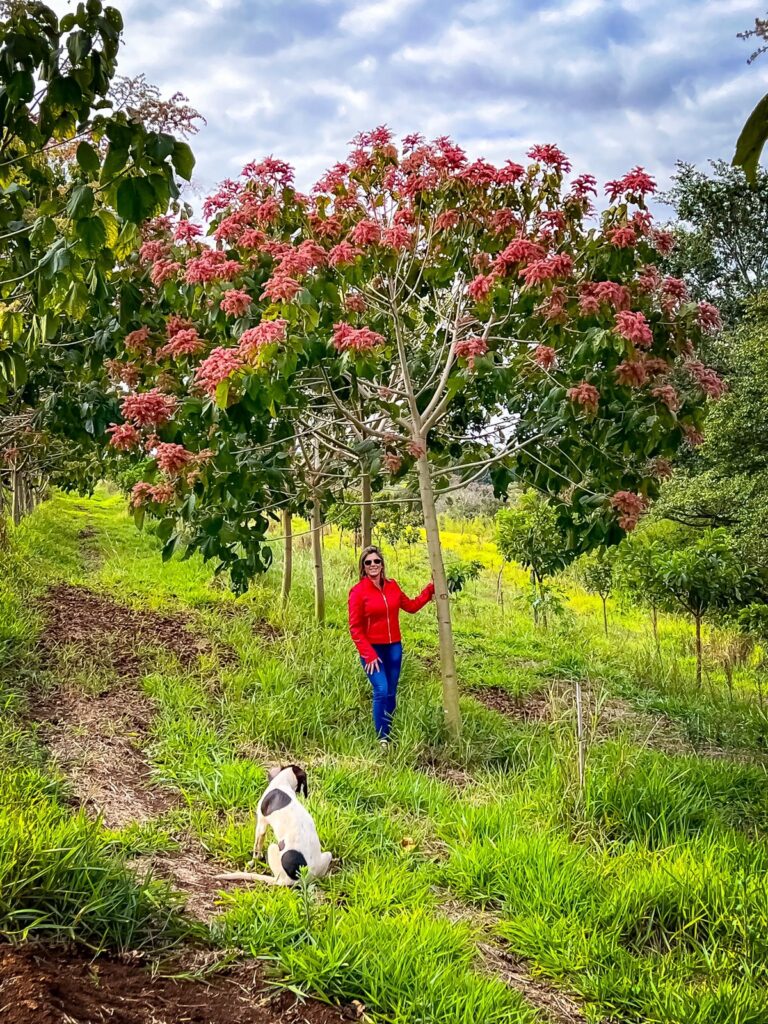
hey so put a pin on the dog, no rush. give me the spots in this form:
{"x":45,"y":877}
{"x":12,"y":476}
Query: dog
{"x":297,"y":845}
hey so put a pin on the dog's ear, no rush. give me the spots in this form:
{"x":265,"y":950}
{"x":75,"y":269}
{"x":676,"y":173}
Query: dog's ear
{"x":301,"y":779}
{"x":273,"y":772}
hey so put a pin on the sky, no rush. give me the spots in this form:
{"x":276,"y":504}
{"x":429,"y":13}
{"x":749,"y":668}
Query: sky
{"x":614,"y":83}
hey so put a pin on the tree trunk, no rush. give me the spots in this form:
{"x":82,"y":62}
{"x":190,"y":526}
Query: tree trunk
{"x":17,"y":497}
{"x":445,"y":632}
{"x":535,"y":605}
{"x":366,"y":510}
{"x":3,"y":517}
{"x":317,"y":556}
{"x":605,"y":613}
{"x":581,"y":746}
{"x":500,"y":588}
{"x":285,"y":591}
{"x":698,"y":650}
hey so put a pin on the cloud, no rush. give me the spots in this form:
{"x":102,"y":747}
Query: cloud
{"x":614,"y":83}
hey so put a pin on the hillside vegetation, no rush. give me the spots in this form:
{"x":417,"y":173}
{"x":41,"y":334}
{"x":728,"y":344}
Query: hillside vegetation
{"x":473,"y":881}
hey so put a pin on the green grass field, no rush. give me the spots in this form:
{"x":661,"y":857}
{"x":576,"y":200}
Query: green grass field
{"x":642,"y":897}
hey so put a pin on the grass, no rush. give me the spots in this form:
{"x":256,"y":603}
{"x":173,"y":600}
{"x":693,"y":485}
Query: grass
{"x":645,"y":894}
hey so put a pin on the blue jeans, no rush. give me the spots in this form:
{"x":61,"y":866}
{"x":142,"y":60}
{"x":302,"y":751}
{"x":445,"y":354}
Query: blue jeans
{"x":384,"y":682}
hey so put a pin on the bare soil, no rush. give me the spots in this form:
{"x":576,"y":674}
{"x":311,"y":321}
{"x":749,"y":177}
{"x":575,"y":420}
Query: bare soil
{"x":99,"y":629}
{"x":555,"y":1006}
{"x":526,"y":707}
{"x":54,"y":985}
{"x":97,"y":739}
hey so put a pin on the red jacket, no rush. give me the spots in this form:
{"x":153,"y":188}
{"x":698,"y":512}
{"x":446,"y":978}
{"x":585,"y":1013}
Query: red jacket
{"x":374,"y":613}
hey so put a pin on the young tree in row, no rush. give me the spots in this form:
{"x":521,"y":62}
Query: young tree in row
{"x":530,"y":533}
{"x":464,"y":319}
{"x":698,"y":576}
{"x":595,"y":573}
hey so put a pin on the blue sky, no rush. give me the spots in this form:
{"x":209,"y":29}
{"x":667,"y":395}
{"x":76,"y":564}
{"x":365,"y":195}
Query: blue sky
{"x":614,"y":83}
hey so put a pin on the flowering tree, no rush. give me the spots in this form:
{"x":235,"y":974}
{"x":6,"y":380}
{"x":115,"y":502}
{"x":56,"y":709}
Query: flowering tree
{"x":461,"y":318}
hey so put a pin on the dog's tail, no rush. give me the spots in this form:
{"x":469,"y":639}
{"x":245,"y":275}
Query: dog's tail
{"x":245,"y":876}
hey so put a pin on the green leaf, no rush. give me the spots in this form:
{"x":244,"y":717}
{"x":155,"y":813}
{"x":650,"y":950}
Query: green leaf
{"x":222,"y":393}
{"x":183,"y":160}
{"x":92,"y":233}
{"x":76,"y":300}
{"x":79,"y":46}
{"x":111,"y":227}
{"x":136,"y":199}
{"x":750,"y":143}
{"x":80,"y":202}
{"x":88,"y":159}
{"x":43,"y":232}
{"x":116,"y":159}
{"x":20,"y":87}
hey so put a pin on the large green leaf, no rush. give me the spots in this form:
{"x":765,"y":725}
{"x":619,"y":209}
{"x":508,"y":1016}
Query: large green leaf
{"x":80,"y":202}
{"x":750,"y":143}
{"x":92,"y":233}
{"x":183,"y":160}
{"x":136,"y":199}
{"x":88,"y":159}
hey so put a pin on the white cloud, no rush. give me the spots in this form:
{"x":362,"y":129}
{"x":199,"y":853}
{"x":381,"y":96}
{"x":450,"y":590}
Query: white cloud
{"x":615,"y":83}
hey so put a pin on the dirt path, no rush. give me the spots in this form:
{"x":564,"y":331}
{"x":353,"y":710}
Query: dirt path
{"x":97,"y":739}
{"x":554,"y":1005}
{"x":53,"y":985}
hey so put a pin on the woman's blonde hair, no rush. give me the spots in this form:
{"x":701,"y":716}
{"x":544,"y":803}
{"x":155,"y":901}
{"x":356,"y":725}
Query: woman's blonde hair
{"x":372,"y":550}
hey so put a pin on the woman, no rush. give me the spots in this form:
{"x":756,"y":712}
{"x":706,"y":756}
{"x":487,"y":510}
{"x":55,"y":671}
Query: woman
{"x":374,"y":613}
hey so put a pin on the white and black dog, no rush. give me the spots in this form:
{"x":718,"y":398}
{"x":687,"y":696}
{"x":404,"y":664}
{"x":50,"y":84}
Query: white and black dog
{"x":297,"y":843}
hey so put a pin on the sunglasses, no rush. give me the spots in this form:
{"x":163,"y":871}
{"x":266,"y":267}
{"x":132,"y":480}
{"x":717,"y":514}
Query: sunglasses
{"x":372,"y":561}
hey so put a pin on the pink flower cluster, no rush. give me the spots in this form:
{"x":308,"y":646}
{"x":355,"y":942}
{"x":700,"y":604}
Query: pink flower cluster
{"x":152,"y":251}
{"x":125,"y":437}
{"x":480,"y":287}
{"x":544,"y":356}
{"x":636,"y":182}
{"x":355,"y":303}
{"x":709,"y":317}
{"x":634,"y":327}
{"x":623,"y":238}
{"x":162,"y":271}
{"x":138,"y":341}
{"x":184,"y":342}
{"x":268,"y":332}
{"x":630,"y":507}
{"x":235,"y":302}
{"x":342,"y":254}
{"x":632,"y":373}
{"x":143,"y":492}
{"x":594,"y":294}
{"x":211,"y":265}
{"x":708,"y":380}
{"x":172,"y":458}
{"x":392,"y":462}
{"x":299,"y":260}
{"x":356,"y":339}
{"x":365,"y":232}
{"x":560,"y":265}
{"x":280,"y":288}
{"x":186,"y":231}
{"x":149,"y":408}
{"x":219,"y":365}
{"x":519,"y":250}
{"x":586,"y":395}
{"x":120,"y":371}
{"x":550,"y":155}
{"x":668,"y":395}
{"x":447,"y":220}
{"x":416,"y":449}
{"x":398,"y":237}
{"x":470,"y":349}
